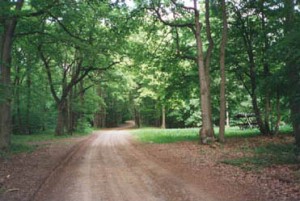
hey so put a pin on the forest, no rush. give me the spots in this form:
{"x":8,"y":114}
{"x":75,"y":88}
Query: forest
{"x":72,"y":65}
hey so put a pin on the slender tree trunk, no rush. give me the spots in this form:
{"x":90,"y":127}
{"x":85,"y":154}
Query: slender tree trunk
{"x":278,"y":114}
{"x":223,"y":74}
{"x":227,"y":119}
{"x":137,"y":117}
{"x":253,"y":76}
{"x":248,"y":40}
{"x":28,"y":108}
{"x":266,"y":69}
{"x":206,"y":131}
{"x":163,"y":122}
{"x":17,"y":120}
{"x":257,"y":113}
{"x":7,"y":29}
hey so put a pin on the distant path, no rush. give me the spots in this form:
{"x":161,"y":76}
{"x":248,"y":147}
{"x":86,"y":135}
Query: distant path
{"x":110,"y":168}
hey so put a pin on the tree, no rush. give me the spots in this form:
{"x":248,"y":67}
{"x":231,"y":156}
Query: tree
{"x":8,"y":23}
{"x":207,"y":131}
{"x":203,"y":60}
{"x":223,"y":73}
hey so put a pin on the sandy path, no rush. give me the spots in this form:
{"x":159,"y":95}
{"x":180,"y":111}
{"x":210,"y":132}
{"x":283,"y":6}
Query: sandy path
{"x":110,"y":168}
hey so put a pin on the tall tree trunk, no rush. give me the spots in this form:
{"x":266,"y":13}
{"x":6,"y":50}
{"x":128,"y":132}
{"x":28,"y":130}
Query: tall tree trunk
{"x":28,"y":108}
{"x":7,"y":27}
{"x":206,"y":131}
{"x":253,"y":77}
{"x":248,"y":43}
{"x":266,"y":69}
{"x":17,"y":120}
{"x":223,"y":74}
{"x":254,"y":101}
{"x":278,"y":114}
{"x":163,"y":119}
{"x":208,"y":52}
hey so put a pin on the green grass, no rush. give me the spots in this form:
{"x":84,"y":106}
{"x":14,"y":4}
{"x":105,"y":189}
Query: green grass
{"x":27,"y":143}
{"x":156,"y":135}
{"x":266,"y":155}
{"x":159,"y":136}
{"x":254,"y":157}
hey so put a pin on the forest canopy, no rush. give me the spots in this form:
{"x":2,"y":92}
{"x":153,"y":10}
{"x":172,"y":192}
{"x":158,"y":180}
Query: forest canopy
{"x":69,"y":65}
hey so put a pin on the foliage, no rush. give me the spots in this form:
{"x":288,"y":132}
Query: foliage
{"x":99,"y":63}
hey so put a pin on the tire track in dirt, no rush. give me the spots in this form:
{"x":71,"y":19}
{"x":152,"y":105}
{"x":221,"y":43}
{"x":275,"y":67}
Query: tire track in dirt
{"x":58,"y":168}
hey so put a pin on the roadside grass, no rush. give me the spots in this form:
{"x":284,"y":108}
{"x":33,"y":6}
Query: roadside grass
{"x":28,"y":143}
{"x":160,"y":136}
{"x":256,"y":152}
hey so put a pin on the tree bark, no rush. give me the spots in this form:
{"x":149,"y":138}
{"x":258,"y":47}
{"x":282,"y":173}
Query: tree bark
{"x":206,"y":131}
{"x":266,"y":69}
{"x":223,"y":75}
{"x":208,"y":52}
{"x":6,"y":42}
{"x":163,"y":120}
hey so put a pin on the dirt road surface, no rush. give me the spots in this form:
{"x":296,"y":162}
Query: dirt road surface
{"x":110,"y":168}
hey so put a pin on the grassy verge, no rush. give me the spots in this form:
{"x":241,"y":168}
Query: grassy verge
{"x":257,"y":153}
{"x":27,"y":143}
{"x":155,"y":135}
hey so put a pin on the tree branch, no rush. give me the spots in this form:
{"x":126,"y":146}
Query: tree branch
{"x":208,"y":34}
{"x":171,"y":24}
{"x":66,"y":29}
{"x":48,"y":71}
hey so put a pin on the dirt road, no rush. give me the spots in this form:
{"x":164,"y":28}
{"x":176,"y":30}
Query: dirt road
{"x":110,"y":168}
